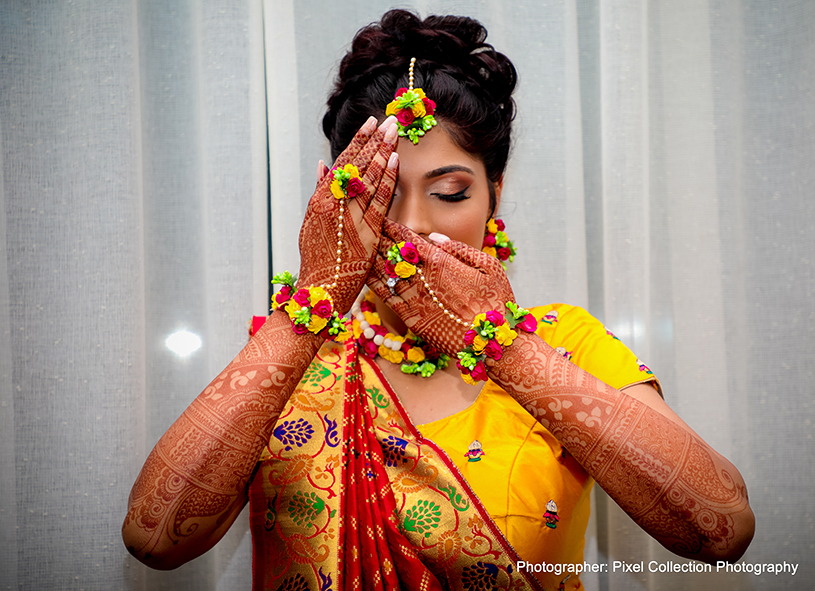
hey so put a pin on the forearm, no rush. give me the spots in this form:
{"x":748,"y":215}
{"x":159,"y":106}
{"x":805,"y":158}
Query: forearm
{"x":677,"y":488}
{"x":193,"y":484}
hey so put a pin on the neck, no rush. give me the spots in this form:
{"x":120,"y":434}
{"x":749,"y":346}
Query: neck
{"x":390,"y":319}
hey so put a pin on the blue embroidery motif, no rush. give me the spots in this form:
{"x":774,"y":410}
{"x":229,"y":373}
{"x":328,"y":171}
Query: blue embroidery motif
{"x":294,"y":433}
{"x":393,"y":449}
{"x":332,"y":436}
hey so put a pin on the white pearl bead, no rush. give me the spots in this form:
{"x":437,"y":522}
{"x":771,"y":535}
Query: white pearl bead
{"x":396,"y":345}
{"x":387,"y":343}
{"x":378,"y":339}
{"x":369,"y":333}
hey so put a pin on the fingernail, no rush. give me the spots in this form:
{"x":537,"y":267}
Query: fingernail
{"x":386,"y":123}
{"x":390,"y":135}
{"x":370,"y":124}
{"x":438,"y":238}
{"x":320,"y":170}
{"x":393,"y":161}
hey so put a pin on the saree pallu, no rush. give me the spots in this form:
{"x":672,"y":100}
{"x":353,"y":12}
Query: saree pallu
{"x":349,"y":494}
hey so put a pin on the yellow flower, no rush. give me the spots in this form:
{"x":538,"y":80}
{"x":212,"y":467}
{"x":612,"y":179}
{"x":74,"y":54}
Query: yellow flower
{"x":418,"y":109}
{"x":492,"y":227}
{"x":316,"y":294}
{"x":390,"y":354}
{"x":404,"y":269}
{"x":343,"y":336}
{"x":505,"y":335}
{"x":472,"y":382}
{"x":391,"y":108}
{"x":415,"y":355}
{"x":336,"y":190}
{"x":490,"y":251}
{"x":317,"y":324}
{"x":372,"y":318}
{"x":419,"y":92}
{"x":357,"y":331}
{"x":479,"y":319}
{"x":352,"y":170}
{"x":292,"y":308}
{"x":479,"y":344}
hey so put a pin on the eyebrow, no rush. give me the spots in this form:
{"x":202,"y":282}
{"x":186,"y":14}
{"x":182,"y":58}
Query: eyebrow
{"x":448,"y":169}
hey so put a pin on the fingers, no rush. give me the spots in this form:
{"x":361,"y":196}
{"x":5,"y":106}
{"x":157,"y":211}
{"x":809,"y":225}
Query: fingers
{"x":361,"y":139}
{"x":372,"y":161}
{"x":374,"y":216}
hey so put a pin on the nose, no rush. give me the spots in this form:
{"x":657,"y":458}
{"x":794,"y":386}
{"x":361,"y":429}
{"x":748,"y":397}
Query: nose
{"x":410,"y":210}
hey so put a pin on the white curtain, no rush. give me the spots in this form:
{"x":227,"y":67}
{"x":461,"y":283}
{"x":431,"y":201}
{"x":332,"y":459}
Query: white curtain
{"x":134,"y":191}
{"x":661,"y":177}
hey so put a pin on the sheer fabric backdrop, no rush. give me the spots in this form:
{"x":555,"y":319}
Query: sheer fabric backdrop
{"x":661,"y":177}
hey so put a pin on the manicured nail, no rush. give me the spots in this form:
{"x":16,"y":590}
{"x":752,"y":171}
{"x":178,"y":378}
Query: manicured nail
{"x":393,"y":161}
{"x":370,"y":124}
{"x":320,"y":170}
{"x":386,"y":123}
{"x":390,"y":135}
{"x":438,"y":238}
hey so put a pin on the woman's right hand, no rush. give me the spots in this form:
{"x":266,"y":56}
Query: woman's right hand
{"x":371,"y":151}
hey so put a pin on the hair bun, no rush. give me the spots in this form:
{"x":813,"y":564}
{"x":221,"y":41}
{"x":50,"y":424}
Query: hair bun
{"x":471,"y":83}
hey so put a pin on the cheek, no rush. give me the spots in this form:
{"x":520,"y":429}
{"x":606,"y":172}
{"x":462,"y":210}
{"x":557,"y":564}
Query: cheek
{"x":465,"y":226}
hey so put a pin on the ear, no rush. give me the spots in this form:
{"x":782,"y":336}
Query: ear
{"x":497,"y":187}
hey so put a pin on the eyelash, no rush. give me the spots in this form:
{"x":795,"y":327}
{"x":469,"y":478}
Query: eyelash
{"x":453,"y":197}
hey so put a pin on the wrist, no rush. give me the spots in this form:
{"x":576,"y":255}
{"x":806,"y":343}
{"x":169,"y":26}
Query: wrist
{"x":492,"y":334}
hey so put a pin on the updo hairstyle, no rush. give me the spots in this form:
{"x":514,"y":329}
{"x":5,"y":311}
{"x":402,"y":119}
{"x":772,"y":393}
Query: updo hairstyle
{"x":469,"y":81}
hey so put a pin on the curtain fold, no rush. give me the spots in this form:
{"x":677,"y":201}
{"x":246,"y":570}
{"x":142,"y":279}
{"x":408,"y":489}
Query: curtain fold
{"x":661,"y":177}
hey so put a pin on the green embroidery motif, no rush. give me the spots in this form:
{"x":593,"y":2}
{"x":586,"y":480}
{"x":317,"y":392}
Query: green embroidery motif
{"x":315,"y":373}
{"x":305,"y":507}
{"x":422,"y":517}
{"x":459,"y":503}
{"x":378,"y":398}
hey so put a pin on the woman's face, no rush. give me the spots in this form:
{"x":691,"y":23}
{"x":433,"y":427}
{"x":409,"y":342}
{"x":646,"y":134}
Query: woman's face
{"x":442,"y":188}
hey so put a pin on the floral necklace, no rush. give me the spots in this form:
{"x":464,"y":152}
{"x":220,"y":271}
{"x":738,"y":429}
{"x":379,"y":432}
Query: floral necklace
{"x":415,"y":355}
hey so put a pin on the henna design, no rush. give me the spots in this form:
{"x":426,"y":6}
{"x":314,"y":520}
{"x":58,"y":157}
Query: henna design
{"x":195,"y":479}
{"x":465,"y":280}
{"x":663,"y":475}
{"x":326,"y":236}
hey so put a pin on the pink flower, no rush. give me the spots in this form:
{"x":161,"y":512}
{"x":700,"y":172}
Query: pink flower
{"x":298,"y":328}
{"x":503,"y":253}
{"x":322,"y":309}
{"x":355,"y":187}
{"x":500,"y":224}
{"x":302,"y":298}
{"x":489,"y":240}
{"x":429,"y":106}
{"x":367,"y":306}
{"x":495,"y":317}
{"x":530,"y":324}
{"x":401,"y":91}
{"x":461,"y":368}
{"x":469,"y":337}
{"x":493,"y":350}
{"x":409,"y":253}
{"x":405,"y":117}
{"x":479,"y":372}
{"x":283,"y":295}
{"x":370,"y":348}
{"x":390,"y":269}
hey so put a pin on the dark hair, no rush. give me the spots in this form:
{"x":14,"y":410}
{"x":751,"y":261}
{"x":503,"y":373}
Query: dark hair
{"x":469,"y":81}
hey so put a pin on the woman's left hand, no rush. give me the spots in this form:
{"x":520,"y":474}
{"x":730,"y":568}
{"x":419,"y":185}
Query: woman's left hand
{"x":463,"y":280}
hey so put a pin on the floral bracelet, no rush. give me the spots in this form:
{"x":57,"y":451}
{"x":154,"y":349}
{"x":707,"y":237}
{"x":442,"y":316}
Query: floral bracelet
{"x":310,"y":309}
{"x":490,"y":333}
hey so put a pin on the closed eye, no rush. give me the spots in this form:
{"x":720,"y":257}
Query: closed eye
{"x":453,"y":197}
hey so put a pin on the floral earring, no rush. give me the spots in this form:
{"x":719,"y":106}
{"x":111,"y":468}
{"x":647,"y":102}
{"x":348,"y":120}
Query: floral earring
{"x":496,"y":242}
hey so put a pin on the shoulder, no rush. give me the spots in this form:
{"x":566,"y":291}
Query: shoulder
{"x":588,"y":343}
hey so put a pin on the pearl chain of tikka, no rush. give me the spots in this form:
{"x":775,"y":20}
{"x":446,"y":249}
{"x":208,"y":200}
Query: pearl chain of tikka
{"x":333,"y":285}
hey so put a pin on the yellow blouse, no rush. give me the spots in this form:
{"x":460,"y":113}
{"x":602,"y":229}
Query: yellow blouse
{"x":521,"y":468}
